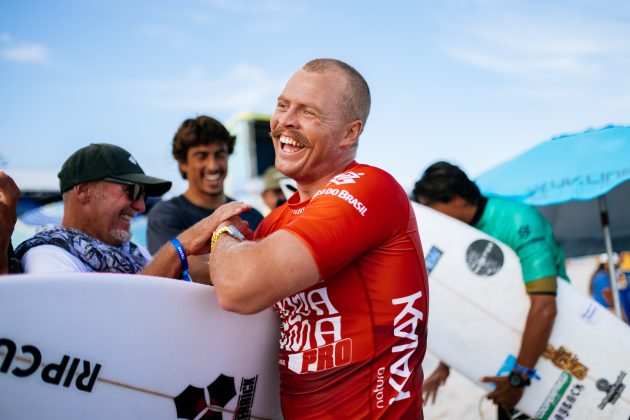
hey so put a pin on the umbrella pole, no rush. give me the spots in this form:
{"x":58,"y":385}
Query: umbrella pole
{"x":612,"y":273}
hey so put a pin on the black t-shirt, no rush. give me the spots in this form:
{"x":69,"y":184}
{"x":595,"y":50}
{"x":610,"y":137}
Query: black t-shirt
{"x":167,"y":219}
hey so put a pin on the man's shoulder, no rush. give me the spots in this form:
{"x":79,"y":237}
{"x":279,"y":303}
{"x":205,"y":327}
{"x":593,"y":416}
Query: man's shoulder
{"x":504,"y":203}
{"x":166,"y":206}
{"x":365,"y":177}
{"x":501,"y":207}
{"x":48,"y":235}
{"x":360,"y":170}
{"x":369,"y":192}
{"x":48,"y":258}
{"x":175,"y":211}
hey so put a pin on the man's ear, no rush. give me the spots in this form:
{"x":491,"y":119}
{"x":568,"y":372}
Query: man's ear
{"x":351,"y":137}
{"x":458,"y":201}
{"x":83,"y":191}
{"x":183,"y":167}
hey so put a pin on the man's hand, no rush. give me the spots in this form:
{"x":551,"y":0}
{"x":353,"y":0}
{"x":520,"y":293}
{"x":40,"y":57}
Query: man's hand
{"x":504,"y":394}
{"x":196,"y":239}
{"x":434,"y":382}
{"x":198,"y":264}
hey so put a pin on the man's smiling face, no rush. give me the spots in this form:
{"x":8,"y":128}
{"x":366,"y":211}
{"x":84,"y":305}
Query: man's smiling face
{"x":308,"y":125}
{"x":206,"y":168}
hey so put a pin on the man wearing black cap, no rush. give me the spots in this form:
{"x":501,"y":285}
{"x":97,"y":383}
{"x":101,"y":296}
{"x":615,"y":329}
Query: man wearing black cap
{"x":103,"y":188}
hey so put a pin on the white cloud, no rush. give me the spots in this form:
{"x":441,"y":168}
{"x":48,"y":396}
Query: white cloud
{"x":527,"y":65}
{"x":264,"y":6}
{"x":27,"y":53}
{"x":244,"y":87}
{"x":536,"y":40}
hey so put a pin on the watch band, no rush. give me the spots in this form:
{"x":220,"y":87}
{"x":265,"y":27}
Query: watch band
{"x":230,"y":230}
{"x":531,"y":373}
{"x":236,"y":233}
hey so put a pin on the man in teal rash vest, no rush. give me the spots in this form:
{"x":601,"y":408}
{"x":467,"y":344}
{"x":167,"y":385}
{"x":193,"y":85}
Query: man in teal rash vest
{"x":447,"y":189}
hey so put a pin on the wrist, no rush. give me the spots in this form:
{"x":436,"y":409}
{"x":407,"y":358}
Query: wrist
{"x":223,"y":224}
{"x":183,"y":259}
{"x":518,"y":380}
{"x":527,"y":373}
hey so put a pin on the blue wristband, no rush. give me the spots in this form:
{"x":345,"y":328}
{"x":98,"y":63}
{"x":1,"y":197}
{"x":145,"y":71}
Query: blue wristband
{"x":531,"y":373}
{"x":181,"y":253}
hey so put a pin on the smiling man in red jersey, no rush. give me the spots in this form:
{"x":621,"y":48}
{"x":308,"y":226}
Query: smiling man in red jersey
{"x":341,"y":262}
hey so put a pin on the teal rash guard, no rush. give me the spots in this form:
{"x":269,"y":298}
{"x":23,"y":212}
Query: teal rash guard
{"x":528,"y":233}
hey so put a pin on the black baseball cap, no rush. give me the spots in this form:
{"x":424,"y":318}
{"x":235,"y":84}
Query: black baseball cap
{"x":102,"y":160}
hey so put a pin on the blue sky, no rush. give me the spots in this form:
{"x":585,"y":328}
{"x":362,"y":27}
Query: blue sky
{"x":473,"y":82}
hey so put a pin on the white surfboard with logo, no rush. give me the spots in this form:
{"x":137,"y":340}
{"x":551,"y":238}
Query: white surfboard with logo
{"x":478,"y":308}
{"x":107,"y":346}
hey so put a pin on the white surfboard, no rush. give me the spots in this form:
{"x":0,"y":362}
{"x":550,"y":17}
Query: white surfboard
{"x":108,"y":346}
{"x":478,"y":308}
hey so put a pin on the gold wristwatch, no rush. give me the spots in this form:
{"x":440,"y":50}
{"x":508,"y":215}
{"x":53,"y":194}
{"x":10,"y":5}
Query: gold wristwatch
{"x":230,"y":230}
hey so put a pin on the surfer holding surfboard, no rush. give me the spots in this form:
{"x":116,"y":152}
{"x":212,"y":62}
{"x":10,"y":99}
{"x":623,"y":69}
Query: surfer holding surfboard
{"x":446,"y":188}
{"x":341,"y":262}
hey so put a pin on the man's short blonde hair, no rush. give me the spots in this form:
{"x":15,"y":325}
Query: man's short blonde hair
{"x":357,"y":96}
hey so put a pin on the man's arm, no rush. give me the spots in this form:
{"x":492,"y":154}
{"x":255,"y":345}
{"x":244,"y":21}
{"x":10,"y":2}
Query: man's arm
{"x":540,"y":319}
{"x":163,"y":225}
{"x":195,"y":240}
{"x":9,"y":194}
{"x":538,"y":327}
{"x":251,"y":276}
{"x":198,"y":264}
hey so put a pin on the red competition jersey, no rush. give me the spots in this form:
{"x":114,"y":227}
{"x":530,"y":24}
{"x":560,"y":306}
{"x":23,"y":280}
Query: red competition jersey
{"x":352,"y":345}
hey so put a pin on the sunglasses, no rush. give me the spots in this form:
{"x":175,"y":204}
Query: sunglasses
{"x":134,"y":190}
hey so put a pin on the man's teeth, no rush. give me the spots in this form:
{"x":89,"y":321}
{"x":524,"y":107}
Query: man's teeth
{"x":213,"y":177}
{"x":127,"y":217}
{"x":289,"y":141}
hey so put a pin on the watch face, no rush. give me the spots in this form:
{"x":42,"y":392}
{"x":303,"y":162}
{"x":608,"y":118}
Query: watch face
{"x":516,"y":380}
